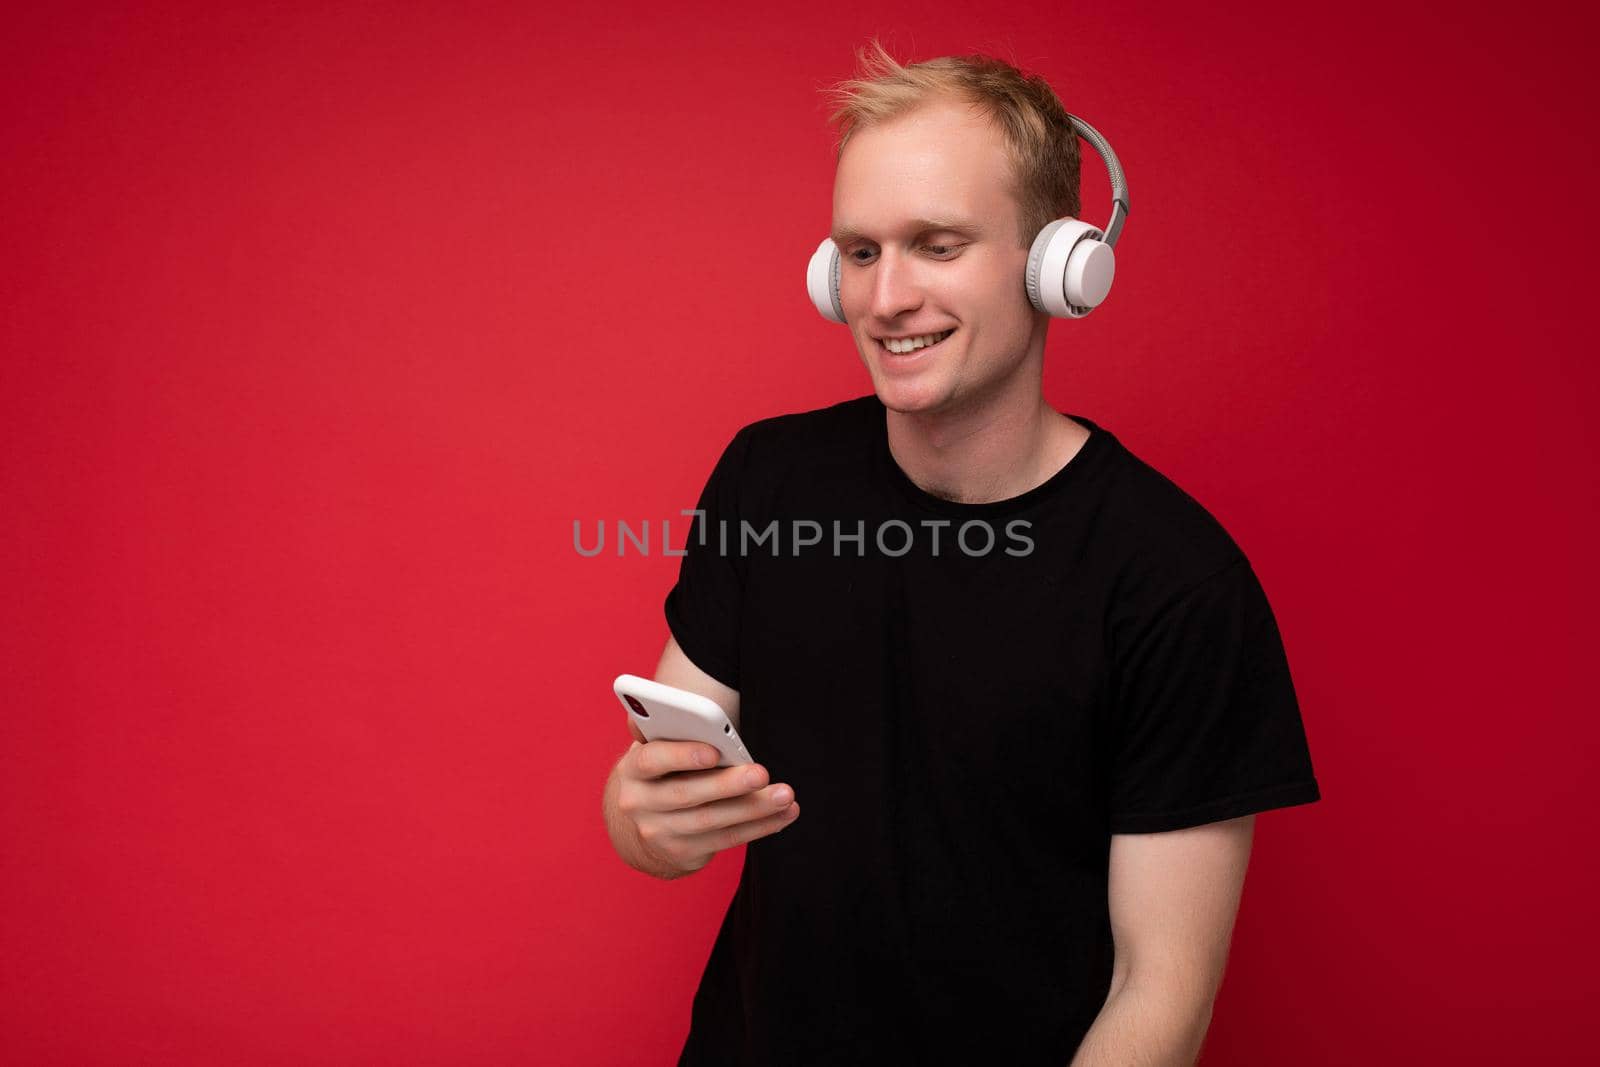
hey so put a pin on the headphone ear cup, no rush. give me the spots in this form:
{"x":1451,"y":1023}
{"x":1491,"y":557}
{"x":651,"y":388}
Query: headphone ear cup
{"x":1070,"y":268}
{"x":1090,"y":269}
{"x":822,"y":281}
{"x":1041,"y":243}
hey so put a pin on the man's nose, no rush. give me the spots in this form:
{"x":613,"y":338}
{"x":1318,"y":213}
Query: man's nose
{"x":895,"y":287}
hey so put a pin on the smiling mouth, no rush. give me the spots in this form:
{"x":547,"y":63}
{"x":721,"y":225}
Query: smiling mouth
{"x":912,"y":345}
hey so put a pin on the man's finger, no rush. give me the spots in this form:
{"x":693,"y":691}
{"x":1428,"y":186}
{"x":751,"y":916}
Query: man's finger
{"x":657,"y":758}
{"x":744,"y":832}
{"x":693,"y":790}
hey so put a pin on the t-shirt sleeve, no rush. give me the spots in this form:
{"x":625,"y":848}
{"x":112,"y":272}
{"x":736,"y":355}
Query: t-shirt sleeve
{"x":702,"y":609}
{"x":1206,"y":725}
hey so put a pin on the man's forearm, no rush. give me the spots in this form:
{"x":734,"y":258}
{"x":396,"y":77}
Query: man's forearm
{"x":1141,"y":1027}
{"x":625,"y":839}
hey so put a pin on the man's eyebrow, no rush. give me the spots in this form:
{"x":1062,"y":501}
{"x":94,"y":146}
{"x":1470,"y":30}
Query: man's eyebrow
{"x":845,"y":233}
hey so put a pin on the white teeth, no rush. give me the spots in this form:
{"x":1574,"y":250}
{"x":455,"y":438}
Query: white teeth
{"x":911,"y":344}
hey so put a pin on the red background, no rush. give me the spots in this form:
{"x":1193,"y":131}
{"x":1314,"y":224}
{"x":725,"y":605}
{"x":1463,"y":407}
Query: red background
{"x":321,"y":327}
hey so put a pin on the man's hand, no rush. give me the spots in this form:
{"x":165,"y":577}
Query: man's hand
{"x":669,"y":808}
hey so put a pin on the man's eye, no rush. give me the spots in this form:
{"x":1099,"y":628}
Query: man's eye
{"x":862,"y":255}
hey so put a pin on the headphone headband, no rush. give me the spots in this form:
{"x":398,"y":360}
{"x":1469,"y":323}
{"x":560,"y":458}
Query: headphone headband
{"x":1119,"y":184}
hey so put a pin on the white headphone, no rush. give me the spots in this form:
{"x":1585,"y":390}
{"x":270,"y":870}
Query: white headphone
{"x":1070,"y":265}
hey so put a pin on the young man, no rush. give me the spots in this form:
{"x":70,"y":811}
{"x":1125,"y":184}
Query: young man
{"x":1032,"y":692}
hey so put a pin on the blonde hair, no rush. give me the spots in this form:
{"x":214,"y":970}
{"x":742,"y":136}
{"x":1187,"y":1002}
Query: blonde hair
{"x":1042,"y":143}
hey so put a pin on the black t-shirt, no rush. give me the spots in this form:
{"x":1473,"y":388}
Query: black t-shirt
{"x":969,"y":700}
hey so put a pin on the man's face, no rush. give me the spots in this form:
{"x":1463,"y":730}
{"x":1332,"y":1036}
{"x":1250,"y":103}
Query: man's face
{"x":927,"y":233}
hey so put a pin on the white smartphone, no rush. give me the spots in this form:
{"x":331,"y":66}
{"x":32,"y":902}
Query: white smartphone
{"x":665,"y":713}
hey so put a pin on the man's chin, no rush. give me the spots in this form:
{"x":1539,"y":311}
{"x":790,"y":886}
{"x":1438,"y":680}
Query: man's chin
{"x":910,"y":398}
{"x":921,"y":392}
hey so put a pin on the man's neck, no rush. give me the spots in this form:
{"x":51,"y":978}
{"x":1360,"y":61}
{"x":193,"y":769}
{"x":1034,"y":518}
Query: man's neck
{"x":993,"y":450}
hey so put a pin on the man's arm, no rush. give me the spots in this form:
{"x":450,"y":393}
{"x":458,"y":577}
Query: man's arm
{"x":677,"y":670}
{"x":1173,"y":899}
